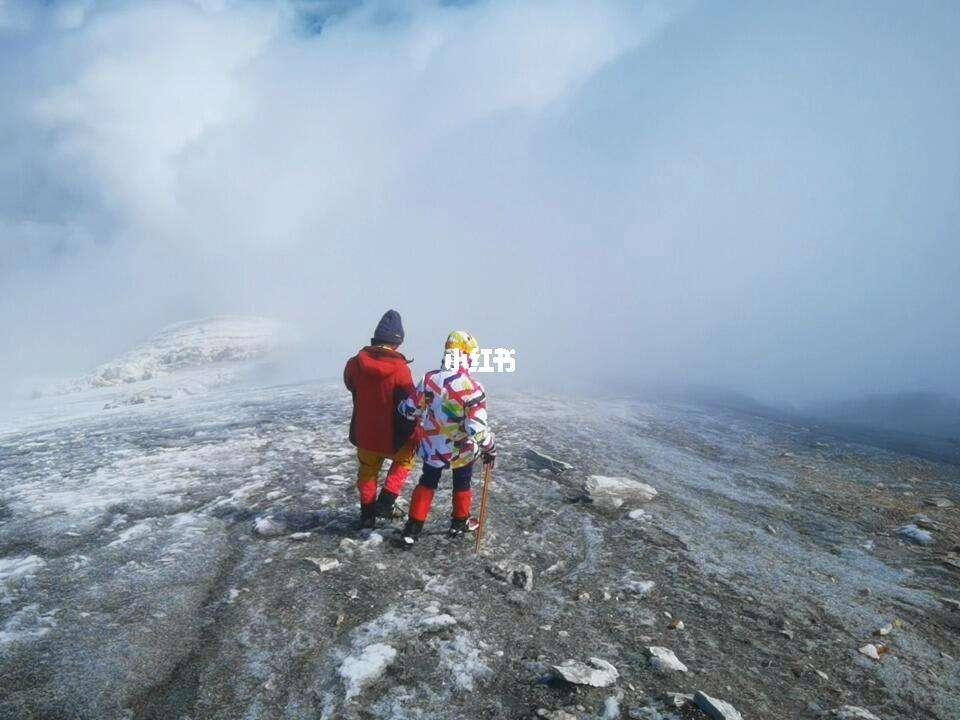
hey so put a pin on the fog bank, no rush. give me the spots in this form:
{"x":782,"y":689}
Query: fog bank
{"x":630,"y":194}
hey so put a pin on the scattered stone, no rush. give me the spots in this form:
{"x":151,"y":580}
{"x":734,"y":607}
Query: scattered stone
{"x":349,"y":545}
{"x":951,"y":562}
{"x":951,"y":603}
{"x":638,"y":514}
{"x":598,"y":673}
{"x":885,"y":630}
{"x":922,"y":521}
{"x":520,"y":575}
{"x":269,"y":527}
{"x":821,"y":674}
{"x":940,"y":502}
{"x":916,"y":535}
{"x":677,"y":625}
{"x":871,"y":651}
{"x":543,"y":461}
{"x":299,"y":535}
{"x":555,"y":714}
{"x":771,"y":529}
{"x":639,"y":587}
{"x":612,"y":492}
{"x":583,"y":597}
{"x":323,"y":564}
{"x":372,"y":541}
{"x":677,"y":700}
{"x":558,"y":566}
{"x":852,"y":712}
{"x":664,"y":660}
{"x":716,"y":709}
{"x":359,"y":670}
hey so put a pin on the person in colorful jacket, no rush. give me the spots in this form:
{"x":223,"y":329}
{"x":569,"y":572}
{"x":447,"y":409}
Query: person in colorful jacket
{"x":451,"y":411}
{"x":379,"y":378}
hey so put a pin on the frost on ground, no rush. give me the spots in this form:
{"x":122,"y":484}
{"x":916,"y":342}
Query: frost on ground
{"x":363,"y":668}
{"x":155,"y":562}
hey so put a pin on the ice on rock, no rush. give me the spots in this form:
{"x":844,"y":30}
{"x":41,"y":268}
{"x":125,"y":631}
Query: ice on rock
{"x":269,"y":527}
{"x":639,"y":587}
{"x":716,"y":709}
{"x":323,"y":564}
{"x":613,"y":492}
{"x":916,"y":535}
{"x":432,"y":623}
{"x":361,"y":669}
{"x":596,"y":672}
{"x":664,"y":660}
{"x":852,"y":712}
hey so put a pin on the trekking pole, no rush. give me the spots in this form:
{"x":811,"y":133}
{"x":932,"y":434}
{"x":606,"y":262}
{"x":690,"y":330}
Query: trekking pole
{"x":487,"y":471}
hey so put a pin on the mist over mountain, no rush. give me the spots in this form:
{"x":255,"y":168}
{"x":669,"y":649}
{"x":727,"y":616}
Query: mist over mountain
{"x":926,"y":413}
{"x":759,"y":196}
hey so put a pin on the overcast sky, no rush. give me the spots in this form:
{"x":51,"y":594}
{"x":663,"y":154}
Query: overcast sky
{"x":755,"y":195}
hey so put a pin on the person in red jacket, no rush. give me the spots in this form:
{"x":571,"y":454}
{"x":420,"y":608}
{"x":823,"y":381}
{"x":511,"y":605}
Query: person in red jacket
{"x":379,"y":379}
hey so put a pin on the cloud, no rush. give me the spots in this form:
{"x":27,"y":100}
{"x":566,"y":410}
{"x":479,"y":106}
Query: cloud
{"x":626,"y":192}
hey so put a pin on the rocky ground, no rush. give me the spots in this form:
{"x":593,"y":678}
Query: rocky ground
{"x":197,"y":558}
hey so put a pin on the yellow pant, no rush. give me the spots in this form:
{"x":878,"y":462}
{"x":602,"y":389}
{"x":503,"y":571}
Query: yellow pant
{"x":401,"y":463}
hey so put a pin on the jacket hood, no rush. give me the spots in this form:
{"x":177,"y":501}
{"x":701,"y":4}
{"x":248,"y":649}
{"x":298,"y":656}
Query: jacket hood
{"x":380,"y":361}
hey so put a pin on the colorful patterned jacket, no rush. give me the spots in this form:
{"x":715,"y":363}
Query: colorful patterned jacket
{"x":451,"y":408}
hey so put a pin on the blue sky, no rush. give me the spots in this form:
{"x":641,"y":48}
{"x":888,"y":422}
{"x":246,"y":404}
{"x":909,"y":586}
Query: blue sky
{"x":764,"y":196}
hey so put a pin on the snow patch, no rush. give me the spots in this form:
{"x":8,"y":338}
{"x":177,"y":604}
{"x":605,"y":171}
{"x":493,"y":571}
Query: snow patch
{"x":132,"y":533}
{"x":27,"y":624}
{"x":195,"y":343}
{"x":460,"y":657}
{"x":20,"y":566}
{"x":361,"y":669}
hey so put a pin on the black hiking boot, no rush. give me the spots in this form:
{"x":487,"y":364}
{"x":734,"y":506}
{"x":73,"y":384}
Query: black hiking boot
{"x":368,"y":516}
{"x":410,"y":535}
{"x":460,"y":527}
{"x":384,"y":506}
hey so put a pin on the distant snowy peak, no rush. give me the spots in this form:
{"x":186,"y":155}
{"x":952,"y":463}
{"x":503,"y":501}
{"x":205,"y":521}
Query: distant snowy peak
{"x":186,"y":345}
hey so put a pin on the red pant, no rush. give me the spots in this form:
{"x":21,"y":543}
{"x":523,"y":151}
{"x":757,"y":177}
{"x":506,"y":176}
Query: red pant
{"x":401,"y":463}
{"x":423,"y":493}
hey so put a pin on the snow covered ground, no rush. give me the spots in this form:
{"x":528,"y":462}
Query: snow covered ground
{"x":221,"y":341}
{"x":170,"y":560}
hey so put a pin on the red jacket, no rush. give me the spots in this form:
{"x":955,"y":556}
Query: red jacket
{"x":379,"y":380}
